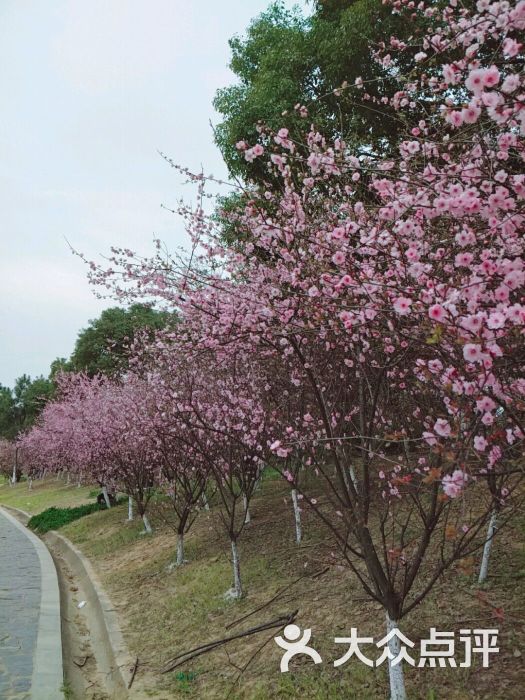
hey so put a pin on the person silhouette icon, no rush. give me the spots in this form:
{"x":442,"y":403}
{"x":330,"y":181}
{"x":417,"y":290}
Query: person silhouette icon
{"x":293,"y":645}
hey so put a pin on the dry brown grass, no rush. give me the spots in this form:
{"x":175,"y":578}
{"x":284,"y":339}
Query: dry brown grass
{"x":164,"y":614}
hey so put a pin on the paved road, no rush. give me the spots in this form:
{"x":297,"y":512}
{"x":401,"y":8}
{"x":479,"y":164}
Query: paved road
{"x":20,"y":595}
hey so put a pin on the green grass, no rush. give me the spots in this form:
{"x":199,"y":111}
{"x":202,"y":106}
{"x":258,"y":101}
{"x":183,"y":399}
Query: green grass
{"x":165,"y":613}
{"x":355,"y":683}
{"x":44,"y":494}
{"x":105,"y":532}
{"x":55,"y":518}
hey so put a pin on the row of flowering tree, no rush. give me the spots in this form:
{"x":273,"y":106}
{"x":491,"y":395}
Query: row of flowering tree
{"x":367,"y":326}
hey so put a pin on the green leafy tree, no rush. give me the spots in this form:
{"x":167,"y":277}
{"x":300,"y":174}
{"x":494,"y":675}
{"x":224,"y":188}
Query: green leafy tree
{"x":61,"y":364}
{"x":287,"y":59}
{"x":7,"y":413}
{"x":21,"y":406}
{"x":104,"y":345}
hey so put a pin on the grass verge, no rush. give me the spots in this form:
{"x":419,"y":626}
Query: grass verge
{"x":165,"y":613}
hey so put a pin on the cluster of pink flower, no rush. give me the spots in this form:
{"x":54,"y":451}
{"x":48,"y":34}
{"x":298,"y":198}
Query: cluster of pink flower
{"x":378,"y":305}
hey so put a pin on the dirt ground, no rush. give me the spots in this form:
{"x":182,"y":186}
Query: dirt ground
{"x":90,"y":669}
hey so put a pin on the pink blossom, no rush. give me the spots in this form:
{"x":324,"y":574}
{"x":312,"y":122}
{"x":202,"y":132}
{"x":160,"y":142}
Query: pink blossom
{"x":471,"y":113}
{"x":454,"y":117}
{"x":454,"y":484}
{"x":480,"y":444}
{"x":442,"y":427}
{"x":511,"y":47}
{"x":494,"y":455}
{"x":449,"y":74}
{"x":485,"y":404}
{"x":476,"y":81}
{"x":338,"y":258}
{"x":463,"y":259}
{"x":402,"y":306}
{"x":496,"y":320}
{"x":510,"y":83}
{"x":472,"y":352}
{"x":491,"y":77}
{"x":436,"y":312}
{"x":487,"y":419}
{"x":430,"y":438}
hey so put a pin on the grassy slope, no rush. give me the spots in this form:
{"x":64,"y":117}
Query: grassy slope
{"x":44,"y":494}
{"x":164,"y":614}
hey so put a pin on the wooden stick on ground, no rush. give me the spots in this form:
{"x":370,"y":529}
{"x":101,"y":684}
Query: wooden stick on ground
{"x":180,"y":659}
{"x":277,"y":595}
{"x":133,"y":672}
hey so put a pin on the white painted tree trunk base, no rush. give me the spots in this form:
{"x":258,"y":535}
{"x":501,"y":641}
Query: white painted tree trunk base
{"x":130,"y":509}
{"x":179,"y":560}
{"x":297,"y":516}
{"x":397,"y":680}
{"x":247,"y":516}
{"x":491,"y":531}
{"x":106,"y":497}
{"x":236,"y":591}
{"x":147,"y":527}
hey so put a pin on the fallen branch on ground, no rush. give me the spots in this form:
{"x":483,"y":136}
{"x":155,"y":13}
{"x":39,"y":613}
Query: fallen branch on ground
{"x":133,"y":672}
{"x":277,"y":595}
{"x":180,"y":659}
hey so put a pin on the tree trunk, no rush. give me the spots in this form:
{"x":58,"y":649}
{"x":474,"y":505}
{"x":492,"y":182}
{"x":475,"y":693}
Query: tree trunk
{"x":147,"y":527}
{"x":397,"y":680}
{"x":351,"y":471}
{"x":29,"y":483}
{"x":130,"y":509}
{"x":259,"y":479}
{"x":205,"y":501}
{"x":180,"y":549}
{"x":247,"y":516}
{"x":15,"y":468}
{"x":106,"y":497}
{"x":237,"y":584}
{"x":491,"y":531}
{"x":297,"y":514}
{"x":406,"y":448}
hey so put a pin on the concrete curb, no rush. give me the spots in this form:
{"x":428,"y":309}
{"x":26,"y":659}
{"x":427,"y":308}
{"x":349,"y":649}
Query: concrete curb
{"x":48,"y":674}
{"x":96,"y":596}
{"x":21,"y":515}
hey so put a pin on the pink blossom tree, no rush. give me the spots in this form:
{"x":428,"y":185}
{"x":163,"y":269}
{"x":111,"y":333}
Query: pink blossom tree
{"x":391,"y":292}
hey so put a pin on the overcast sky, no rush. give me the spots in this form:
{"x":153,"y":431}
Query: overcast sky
{"x":91,"y":90}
